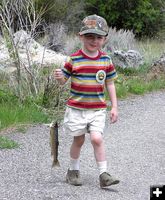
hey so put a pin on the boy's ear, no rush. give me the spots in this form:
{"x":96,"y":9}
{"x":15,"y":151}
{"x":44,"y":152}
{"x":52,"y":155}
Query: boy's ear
{"x":105,"y":41}
{"x":80,"y":36}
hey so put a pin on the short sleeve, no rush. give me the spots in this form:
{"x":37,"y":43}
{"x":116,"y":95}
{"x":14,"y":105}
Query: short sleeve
{"x":111,"y":73}
{"x":67,"y":69}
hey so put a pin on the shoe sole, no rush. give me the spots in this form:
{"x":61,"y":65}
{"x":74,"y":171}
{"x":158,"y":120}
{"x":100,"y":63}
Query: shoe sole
{"x":113,"y":183}
{"x":77,"y":184}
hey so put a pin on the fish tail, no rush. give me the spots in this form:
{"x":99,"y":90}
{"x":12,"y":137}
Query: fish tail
{"x":55,"y":163}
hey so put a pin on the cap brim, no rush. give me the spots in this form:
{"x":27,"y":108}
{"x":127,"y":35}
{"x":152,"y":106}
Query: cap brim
{"x":94,"y":31}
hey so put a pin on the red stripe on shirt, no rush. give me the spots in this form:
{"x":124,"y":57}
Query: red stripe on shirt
{"x":86,"y":105}
{"x":87,"y":88}
{"x":88,"y":69}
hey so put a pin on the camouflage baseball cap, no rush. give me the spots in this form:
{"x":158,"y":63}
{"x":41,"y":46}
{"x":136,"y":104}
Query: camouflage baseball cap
{"x":94,"y":24}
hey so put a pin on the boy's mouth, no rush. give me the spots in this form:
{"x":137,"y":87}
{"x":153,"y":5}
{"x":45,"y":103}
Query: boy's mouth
{"x":94,"y":46}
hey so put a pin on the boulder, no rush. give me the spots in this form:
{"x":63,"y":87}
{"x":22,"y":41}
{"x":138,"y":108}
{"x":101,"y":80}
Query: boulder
{"x":30,"y":53}
{"x":129,"y":59}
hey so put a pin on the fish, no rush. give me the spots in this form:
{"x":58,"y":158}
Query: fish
{"x":54,"y":143}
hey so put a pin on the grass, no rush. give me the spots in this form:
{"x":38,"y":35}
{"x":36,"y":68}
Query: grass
{"x":151,"y":50}
{"x":14,"y":114}
{"x":137,"y":85}
{"x":6,"y":143}
{"x":155,"y":85}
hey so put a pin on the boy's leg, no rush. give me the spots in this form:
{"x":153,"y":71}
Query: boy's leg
{"x":99,"y":151}
{"x":73,"y":174}
{"x":75,"y":149}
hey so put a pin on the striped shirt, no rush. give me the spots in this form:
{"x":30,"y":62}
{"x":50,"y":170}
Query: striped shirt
{"x":87,"y":90}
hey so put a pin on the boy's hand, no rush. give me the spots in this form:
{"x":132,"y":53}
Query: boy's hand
{"x":59,"y":76}
{"x":114,"y":114}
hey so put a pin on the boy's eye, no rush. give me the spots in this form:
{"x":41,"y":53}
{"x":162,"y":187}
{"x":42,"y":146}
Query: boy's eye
{"x":90,"y":36}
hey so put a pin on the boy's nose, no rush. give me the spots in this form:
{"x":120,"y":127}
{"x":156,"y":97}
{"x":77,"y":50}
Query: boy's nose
{"x":95,"y":39}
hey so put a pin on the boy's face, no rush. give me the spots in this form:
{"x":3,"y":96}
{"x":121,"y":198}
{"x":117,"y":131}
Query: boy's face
{"x":92,"y":42}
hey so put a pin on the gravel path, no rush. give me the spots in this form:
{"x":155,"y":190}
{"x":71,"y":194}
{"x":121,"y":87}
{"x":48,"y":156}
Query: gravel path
{"x":135,"y":153}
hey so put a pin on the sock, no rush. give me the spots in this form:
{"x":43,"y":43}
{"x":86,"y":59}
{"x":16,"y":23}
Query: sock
{"x":102,"y":166}
{"x":74,"y":164}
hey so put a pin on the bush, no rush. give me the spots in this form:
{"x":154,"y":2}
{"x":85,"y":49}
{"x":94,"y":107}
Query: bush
{"x":72,"y":44}
{"x":56,"y":35}
{"x":120,"y":40}
{"x":145,"y":18}
{"x":69,"y":12}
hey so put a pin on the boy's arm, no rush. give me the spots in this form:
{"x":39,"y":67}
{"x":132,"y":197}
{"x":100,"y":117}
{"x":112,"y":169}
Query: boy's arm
{"x":113,"y":98}
{"x":59,"y":76}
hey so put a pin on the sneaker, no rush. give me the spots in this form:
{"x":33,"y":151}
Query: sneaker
{"x":73,"y":177}
{"x":107,"y":180}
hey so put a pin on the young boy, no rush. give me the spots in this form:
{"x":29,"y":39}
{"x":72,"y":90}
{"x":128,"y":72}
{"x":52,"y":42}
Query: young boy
{"x":90,"y":70}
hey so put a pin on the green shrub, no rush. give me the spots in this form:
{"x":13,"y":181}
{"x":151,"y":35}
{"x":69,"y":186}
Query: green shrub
{"x":136,"y":86}
{"x":156,"y":84}
{"x":121,"y":91}
{"x":7,"y":97}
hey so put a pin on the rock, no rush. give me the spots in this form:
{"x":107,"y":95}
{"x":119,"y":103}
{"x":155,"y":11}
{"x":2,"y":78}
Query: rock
{"x":4,"y":55}
{"x":158,"y":66}
{"x":160,"y":63}
{"x":129,"y":59}
{"x":30,"y":53}
{"x":157,"y":69}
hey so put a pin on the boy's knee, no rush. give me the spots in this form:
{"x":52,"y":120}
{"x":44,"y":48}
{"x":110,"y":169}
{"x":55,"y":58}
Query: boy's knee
{"x":79,"y":141}
{"x":96,"y":139}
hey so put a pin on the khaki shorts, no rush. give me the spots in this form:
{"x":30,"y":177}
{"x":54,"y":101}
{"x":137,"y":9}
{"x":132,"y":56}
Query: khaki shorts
{"x":78,"y":122}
